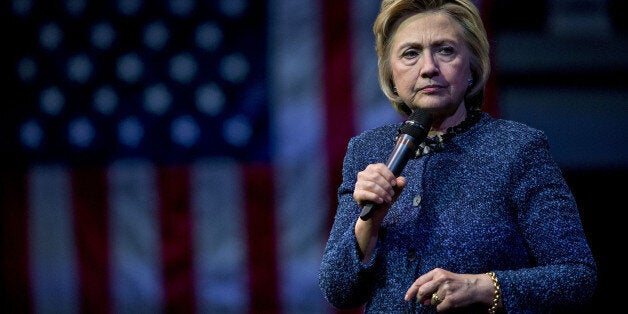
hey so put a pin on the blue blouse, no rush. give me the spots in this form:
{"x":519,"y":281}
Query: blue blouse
{"x":493,"y":199}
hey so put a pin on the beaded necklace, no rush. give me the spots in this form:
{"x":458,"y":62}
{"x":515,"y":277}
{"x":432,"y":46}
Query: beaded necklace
{"x":437,"y":143}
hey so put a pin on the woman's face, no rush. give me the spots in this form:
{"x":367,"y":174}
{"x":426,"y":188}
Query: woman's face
{"x":430,"y":63}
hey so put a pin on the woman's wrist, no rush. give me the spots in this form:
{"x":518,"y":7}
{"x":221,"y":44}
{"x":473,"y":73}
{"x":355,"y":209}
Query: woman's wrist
{"x":366,"y":236}
{"x":497,"y":294}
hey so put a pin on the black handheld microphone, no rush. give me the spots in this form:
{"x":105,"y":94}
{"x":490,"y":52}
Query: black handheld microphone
{"x":411,"y":133}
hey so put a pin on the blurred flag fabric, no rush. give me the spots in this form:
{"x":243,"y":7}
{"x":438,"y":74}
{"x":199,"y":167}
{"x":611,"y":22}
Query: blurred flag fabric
{"x":177,"y":156}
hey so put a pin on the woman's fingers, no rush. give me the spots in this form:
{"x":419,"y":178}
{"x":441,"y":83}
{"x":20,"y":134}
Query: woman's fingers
{"x":376,"y":184}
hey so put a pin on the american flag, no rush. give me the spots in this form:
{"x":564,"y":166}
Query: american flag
{"x":178,"y":156}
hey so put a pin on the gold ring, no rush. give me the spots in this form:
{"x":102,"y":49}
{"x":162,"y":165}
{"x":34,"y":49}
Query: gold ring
{"x":435,"y":299}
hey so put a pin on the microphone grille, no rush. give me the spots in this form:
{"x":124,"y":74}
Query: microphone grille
{"x":418,"y":124}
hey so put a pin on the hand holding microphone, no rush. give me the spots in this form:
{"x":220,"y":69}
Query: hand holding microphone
{"x":411,"y":133}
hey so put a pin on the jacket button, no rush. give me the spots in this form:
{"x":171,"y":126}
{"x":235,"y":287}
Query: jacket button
{"x":412,"y":256}
{"x":416,"y":201}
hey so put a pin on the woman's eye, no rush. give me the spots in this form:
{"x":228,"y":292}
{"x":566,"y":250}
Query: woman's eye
{"x":410,"y":53}
{"x":446,"y":50}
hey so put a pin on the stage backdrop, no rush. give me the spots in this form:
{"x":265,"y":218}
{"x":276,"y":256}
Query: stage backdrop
{"x":178,"y":156}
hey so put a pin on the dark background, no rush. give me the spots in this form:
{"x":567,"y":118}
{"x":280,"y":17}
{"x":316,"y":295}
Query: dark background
{"x":562,"y":67}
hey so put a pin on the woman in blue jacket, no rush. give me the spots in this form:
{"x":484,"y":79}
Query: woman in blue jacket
{"x":480,"y":219}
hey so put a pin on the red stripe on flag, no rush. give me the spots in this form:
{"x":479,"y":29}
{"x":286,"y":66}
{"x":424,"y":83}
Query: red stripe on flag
{"x":338,"y":94}
{"x":261,"y":239}
{"x":90,"y":207}
{"x":13,"y":204}
{"x":175,"y":212}
{"x":491,"y":96}
{"x":338,"y":88}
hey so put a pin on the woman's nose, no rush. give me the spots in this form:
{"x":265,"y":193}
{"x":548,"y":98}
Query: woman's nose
{"x":428,"y":66}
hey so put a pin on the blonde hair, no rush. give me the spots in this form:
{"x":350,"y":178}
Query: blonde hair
{"x":462,"y":11}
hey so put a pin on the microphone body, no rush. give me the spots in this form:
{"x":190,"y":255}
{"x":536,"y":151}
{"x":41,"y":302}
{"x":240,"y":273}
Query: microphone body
{"x":411,"y":133}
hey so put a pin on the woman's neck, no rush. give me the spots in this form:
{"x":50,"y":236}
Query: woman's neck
{"x":440,"y":126}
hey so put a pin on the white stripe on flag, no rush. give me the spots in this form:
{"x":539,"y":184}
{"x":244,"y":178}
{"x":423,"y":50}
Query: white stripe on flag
{"x":300,"y":171}
{"x":372,"y":109}
{"x":136,"y":276}
{"x":52,"y":247}
{"x":295,"y":52}
{"x":219,"y":237}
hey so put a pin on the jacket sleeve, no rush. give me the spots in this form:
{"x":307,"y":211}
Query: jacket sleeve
{"x":565,"y":276}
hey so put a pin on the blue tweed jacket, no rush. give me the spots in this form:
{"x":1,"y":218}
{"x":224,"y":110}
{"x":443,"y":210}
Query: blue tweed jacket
{"x":492,"y":200}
